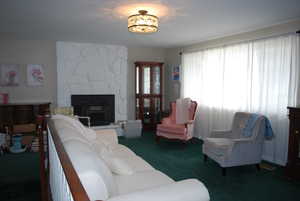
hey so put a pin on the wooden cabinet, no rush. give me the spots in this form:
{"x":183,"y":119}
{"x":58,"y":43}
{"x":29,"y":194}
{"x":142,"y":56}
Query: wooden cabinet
{"x":293,"y":164}
{"x":148,"y":93}
{"x":21,"y":113}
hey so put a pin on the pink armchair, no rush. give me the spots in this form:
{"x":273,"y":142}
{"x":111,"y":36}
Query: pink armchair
{"x":169,"y":129}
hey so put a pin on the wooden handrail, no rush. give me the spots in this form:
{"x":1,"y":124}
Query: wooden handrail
{"x":77,"y":190}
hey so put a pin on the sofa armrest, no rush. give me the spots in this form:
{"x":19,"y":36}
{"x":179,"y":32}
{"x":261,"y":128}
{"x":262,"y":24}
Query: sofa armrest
{"x":186,"y":190}
{"x":220,"y":134}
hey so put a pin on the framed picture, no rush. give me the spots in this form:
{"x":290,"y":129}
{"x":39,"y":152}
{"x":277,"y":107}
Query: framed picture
{"x":35,"y":75}
{"x":9,"y":74}
{"x":175,"y":73}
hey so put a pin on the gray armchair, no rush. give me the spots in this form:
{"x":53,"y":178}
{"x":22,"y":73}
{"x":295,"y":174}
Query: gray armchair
{"x":232,"y":148}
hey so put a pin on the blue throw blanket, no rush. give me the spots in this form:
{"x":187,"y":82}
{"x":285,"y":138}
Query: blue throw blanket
{"x":248,"y":130}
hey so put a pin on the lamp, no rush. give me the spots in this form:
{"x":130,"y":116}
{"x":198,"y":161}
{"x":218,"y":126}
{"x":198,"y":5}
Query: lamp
{"x":143,"y":23}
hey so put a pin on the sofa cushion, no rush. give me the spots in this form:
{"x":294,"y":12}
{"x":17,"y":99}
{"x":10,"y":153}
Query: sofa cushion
{"x":126,"y":163}
{"x":69,"y":133}
{"x":62,"y":121}
{"x":92,"y":171}
{"x":120,"y":166}
{"x":140,"y":181}
{"x":108,"y":136}
{"x":121,"y":151}
{"x":137,"y":164}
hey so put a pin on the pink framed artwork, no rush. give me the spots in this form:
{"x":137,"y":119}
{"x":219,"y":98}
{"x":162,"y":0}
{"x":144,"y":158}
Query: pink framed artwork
{"x":35,"y":75}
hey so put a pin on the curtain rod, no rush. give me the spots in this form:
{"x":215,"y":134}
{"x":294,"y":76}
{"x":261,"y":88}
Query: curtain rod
{"x":237,"y":42}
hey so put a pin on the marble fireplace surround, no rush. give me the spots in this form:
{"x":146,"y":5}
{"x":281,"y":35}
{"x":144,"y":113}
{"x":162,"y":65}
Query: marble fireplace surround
{"x":87,"y":69}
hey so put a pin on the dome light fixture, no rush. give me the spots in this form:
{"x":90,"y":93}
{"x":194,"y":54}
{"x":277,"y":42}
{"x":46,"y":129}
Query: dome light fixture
{"x":142,"y":23}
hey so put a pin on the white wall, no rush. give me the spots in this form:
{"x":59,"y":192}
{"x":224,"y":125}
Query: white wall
{"x":172,"y":88}
{"x":30,"y":52}
{"x":88,"y":68}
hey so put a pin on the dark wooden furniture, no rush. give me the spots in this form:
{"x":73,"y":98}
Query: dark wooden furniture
{"x":293,"y":164}
{"x":21,"y":117}
{"x":148,"y":84}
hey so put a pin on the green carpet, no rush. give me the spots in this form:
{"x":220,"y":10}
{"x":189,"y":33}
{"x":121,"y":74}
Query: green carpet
{"x":244,"y":183}
{"x":19,"y":173}
{"x":19,"y":177}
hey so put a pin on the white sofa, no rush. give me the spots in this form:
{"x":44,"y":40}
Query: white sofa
{"x":110,"y":171}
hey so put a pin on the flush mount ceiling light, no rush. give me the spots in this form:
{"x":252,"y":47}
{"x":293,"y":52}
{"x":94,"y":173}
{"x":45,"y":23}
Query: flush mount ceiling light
{"x":143,"y":23}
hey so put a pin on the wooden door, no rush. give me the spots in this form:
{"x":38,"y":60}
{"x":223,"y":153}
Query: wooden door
{"x":148,"y":93}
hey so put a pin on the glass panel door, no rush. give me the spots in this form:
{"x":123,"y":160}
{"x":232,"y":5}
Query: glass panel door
{"x":146,"y":80}
{"x":156,"y":80}
{"x":148,"y":93}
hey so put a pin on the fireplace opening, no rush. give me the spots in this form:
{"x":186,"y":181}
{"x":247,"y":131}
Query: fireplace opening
{"x":100,"y":108}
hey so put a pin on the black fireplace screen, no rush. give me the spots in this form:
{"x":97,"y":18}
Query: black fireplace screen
{"x":100,"y":108}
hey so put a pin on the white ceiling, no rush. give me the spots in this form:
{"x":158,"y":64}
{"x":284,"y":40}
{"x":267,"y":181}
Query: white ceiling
{"x":182,"y":22}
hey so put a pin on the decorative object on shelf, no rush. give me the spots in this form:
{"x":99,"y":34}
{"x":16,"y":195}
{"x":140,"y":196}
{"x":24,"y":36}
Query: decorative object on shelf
{"x":175,"y":73}
{"x":143,"y":22}
{"x":35,"y":75}
{"x":3,"y":98}
{"x":9,"y":74}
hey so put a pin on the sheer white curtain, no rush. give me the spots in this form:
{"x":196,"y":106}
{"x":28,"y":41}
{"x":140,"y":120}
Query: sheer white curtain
{"x":261,"y":76}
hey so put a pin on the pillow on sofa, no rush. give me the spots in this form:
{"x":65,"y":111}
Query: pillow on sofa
{"x":120,"y":166}
{"x":95,"y":176}
{"x":116,"y":165}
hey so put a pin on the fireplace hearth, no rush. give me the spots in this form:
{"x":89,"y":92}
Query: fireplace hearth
{"x":100,"y":108}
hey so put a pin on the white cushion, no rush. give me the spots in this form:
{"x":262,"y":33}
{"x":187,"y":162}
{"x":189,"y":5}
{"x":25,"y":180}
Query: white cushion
{"x":107,"y":136}
{"x":122,"y":151}
{"x":219,"y":142}
{"x":220,"y":147}
{"x":69,"y":133}
{"x":123,"y":164}
{"x":141,"y":181}
{"x":92,"y":171}
{"x":186,"y":190}
{"x":120,"y":166}
{"x":137,"y":164}
{"x":66,"y":121}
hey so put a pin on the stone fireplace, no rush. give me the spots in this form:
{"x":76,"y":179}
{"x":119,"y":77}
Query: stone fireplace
{"x":100,"y":108}
{"x":93,"y":69}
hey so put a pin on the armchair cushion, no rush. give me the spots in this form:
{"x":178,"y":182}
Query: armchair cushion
{"x":178,"y":129}
{"x":220,"y":134}
{"x":219,"y":146}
